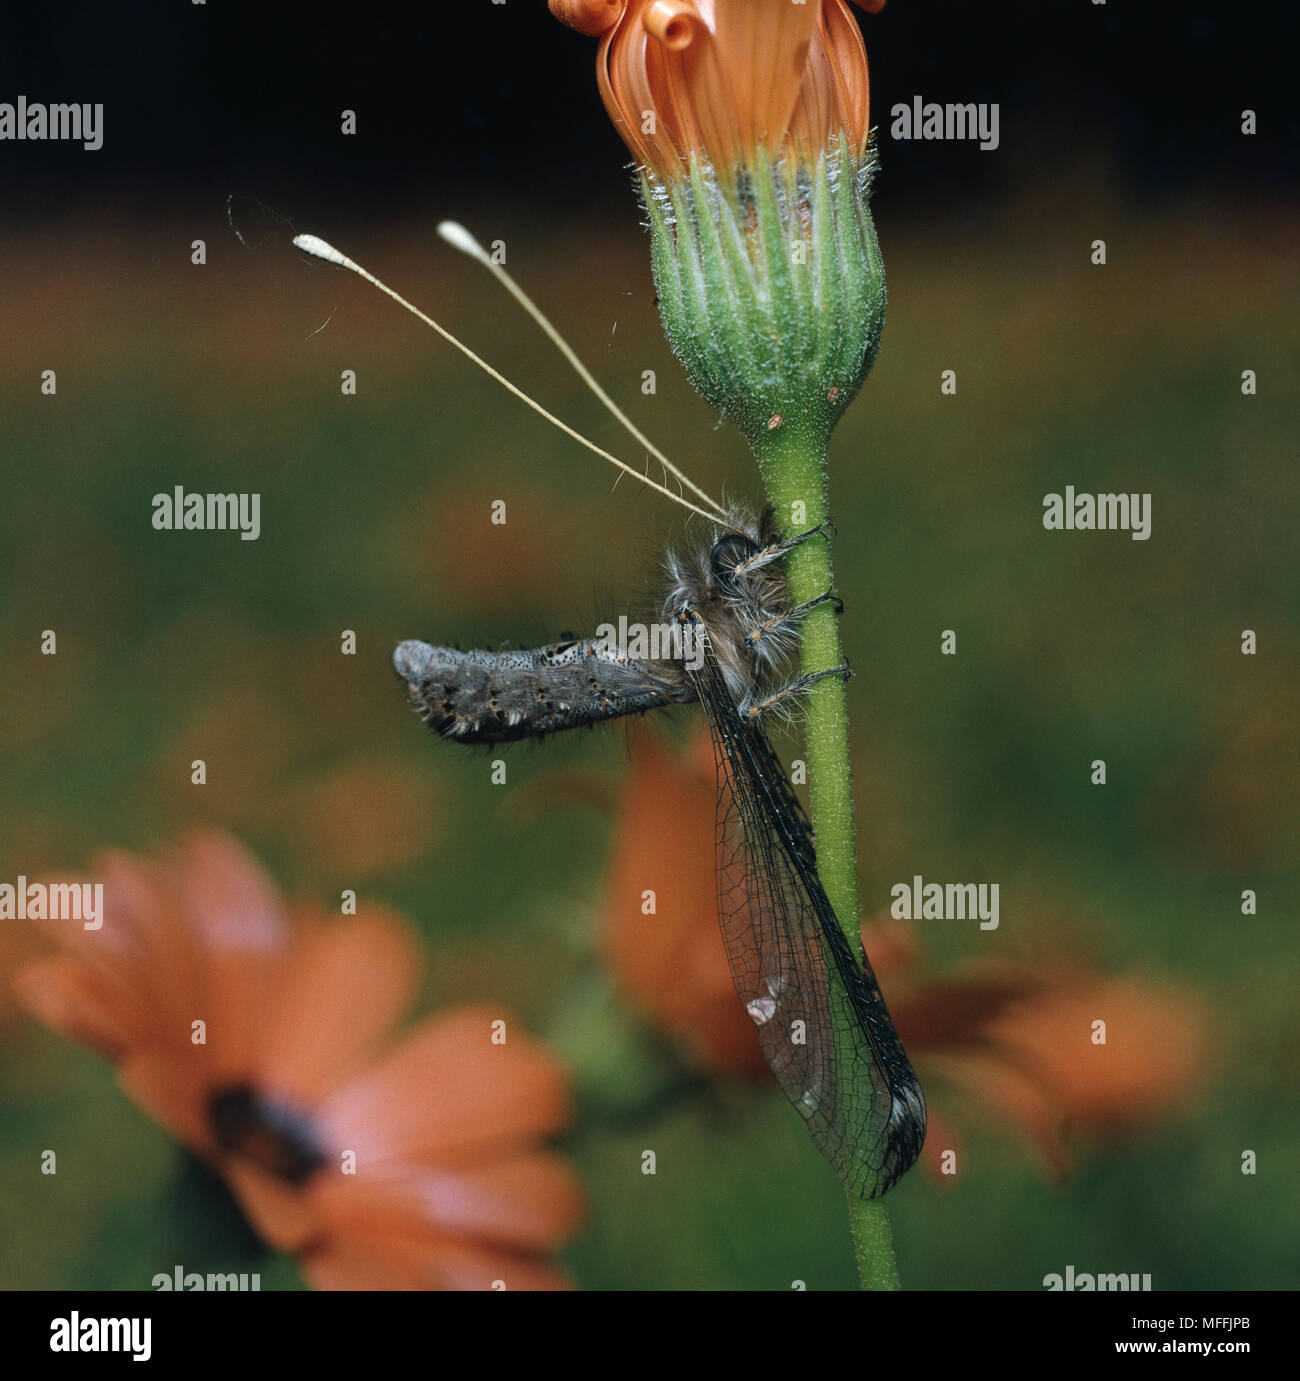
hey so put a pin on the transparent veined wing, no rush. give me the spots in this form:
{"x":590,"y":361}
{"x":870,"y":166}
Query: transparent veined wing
{"x":822,"y":1024}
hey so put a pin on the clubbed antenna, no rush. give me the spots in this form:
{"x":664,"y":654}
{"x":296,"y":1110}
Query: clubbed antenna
{"x":322,"y":249}
{"x":459,"y":238}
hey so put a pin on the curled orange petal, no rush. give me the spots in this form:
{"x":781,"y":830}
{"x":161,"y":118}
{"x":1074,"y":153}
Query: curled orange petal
{"x":590,"y":17}
{"x":722,"y":80}
{"x":672,"y":23}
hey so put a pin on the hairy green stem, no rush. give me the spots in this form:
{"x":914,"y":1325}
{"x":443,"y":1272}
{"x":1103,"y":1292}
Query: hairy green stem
{"x":873,"y":1244}
{"x":792,"y":457}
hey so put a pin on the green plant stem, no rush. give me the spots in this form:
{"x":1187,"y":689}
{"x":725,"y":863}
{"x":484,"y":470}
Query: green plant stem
{"x":873,"y":1244}
{"x":792,"y":458}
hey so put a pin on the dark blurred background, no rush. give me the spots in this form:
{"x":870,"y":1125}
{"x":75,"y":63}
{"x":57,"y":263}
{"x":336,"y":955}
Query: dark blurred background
{"x":1118,"y":122}
{"x":205,"y":99}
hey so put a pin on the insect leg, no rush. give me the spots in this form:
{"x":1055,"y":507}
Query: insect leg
{"x":801,"y":609}
{"x":799,"y":686}
{"x":778,"y":624}
{"x":774,"y":551}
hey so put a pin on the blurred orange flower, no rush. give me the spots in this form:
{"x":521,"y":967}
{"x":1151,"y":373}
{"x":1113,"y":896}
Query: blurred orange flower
{"x":718,"y":79}
{"x":261,"y":1040}
{"x":1020,"y":1046}
{"x":1015,"y":1043}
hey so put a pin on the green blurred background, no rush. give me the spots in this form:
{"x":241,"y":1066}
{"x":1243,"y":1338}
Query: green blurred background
{"x":1072,"y":646}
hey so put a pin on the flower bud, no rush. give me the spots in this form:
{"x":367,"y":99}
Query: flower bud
{"x":749,"y":123}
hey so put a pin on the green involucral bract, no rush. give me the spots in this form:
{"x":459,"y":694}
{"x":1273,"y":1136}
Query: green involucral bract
{"x":770,"y":285}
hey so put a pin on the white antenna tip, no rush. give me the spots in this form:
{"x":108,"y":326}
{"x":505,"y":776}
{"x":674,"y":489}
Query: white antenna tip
{"x":459,"y":238}
{"x":322,"y":249}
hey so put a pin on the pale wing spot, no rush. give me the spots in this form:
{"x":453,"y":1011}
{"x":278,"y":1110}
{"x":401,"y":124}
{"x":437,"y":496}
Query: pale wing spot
{"x":761,"y":1010}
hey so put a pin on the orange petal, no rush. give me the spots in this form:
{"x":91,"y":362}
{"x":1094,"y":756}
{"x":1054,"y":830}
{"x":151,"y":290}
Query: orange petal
{"x":1154,"y":1053}
{"x":240,"y":926}
{"x":84,"y":1004}
{"x":237,"y":1001}
{"x":723,"y":79}
{"x":140,"y":973}
{"x":230,"y":902}
{"x":529,"y":1203}
{"x":358,"y":1262}
{"x":762,"y":51}
{"x":281,"y":1214}
{"x":349,"y":982}
{"x":173,"y":1089}
{"x":835,"y":93}
{"x":671,"y":23}
{"x":447,"y":1092}
{"x":227,"y":936}
{"x":143,"y":944}
{"x":590,"y":17}
{"x":468,"y":1266}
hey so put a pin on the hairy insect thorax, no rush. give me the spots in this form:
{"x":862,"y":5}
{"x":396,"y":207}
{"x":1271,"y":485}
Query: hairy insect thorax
{"x":737,"y":589}
{"x":727,"y":591}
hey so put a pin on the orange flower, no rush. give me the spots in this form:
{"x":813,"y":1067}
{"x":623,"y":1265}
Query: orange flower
{"x":749,"y":122}
{"x":720,"y":78}
{"x":1016,"y":1043}
{"x":1020,"y":1045}
{"x":261,"y":1042}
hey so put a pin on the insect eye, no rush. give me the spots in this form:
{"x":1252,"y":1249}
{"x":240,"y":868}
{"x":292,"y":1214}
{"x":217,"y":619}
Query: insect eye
{"x":729,"y":552}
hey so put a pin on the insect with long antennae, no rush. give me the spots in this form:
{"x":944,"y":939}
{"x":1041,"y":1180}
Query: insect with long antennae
{"x":822,"y":1024}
